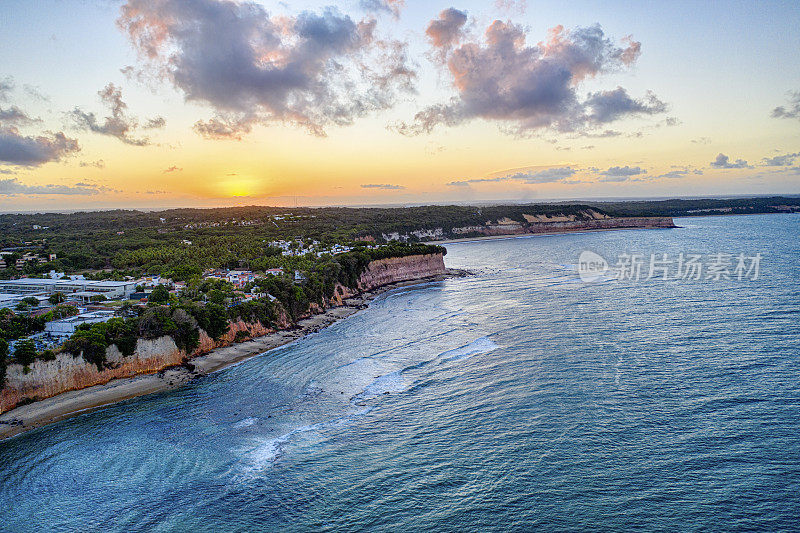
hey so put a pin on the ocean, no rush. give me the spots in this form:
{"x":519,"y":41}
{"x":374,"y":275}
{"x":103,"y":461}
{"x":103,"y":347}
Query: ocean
{"x":525,"y":396}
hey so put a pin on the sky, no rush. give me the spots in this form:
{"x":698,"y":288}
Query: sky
{"x":171,"y":103}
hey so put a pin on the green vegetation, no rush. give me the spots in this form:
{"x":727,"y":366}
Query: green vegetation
{"x":56,"y":298}
{"x":159,"y":295}
{"x":15,"y":326}
{"x":25,"y":353}
{"x":113,"y":244}
{"x":210,"y":305}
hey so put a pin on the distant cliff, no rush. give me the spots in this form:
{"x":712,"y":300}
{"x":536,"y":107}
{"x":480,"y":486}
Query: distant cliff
{"x":71,"y":372}
{"x":543,"y":224}
{"x":523,"y":221}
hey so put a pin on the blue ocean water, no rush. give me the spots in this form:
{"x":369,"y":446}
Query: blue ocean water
{"x":517,"y":398}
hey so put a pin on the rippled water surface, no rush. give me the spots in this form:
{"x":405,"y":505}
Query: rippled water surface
{"x":516,"y":398}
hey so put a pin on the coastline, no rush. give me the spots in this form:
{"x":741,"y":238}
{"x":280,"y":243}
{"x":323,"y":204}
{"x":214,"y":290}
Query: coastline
{"x":76,"y":402}
{"x":541,"y":233}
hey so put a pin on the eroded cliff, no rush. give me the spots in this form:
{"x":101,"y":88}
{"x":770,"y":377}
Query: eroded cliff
{"x":71,"y":372}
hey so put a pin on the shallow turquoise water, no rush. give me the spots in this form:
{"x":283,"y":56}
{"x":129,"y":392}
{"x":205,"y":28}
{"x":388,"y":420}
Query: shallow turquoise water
{"x":518,"y":398}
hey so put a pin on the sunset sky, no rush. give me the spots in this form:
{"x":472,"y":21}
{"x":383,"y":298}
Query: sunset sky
{"x":205,"y":103}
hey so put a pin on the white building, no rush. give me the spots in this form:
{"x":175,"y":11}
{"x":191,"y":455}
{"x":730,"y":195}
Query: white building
{"x":65,"y":327}
{"x":109,"y":289}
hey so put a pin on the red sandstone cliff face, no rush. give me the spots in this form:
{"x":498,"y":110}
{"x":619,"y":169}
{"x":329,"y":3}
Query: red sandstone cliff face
{"x":395,"y":269}
{"x":70,"y":372}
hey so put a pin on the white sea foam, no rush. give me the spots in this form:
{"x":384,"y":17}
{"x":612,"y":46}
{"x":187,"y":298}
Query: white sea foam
{"x":389,"y":383}
{"x":476,"y":347}
{"x":247,"y":422}
{"x":267,"y":451}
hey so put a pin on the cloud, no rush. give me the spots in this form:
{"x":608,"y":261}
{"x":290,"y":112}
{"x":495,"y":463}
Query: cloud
{"x":14,"y":116}
{"x":476,"y":180}
{"x":13,"y":187}
{"x":155,"y":123}
{"x":673,"y":174}
{"x":608,"y":106}
{"x":549,"y":175}
{"x":529,"y":176}
{"x":621,"y":173}
{"x":118,"y":124}
{"x":382,"y":186}
{"x":173,"y":168}
{"x":512,"y":6}
{"x":6,"y":86}
{"x":529,"y":88}
{"x":389,"y":6}
{"x":223,"y":128}
{"x":96,"y":164}
{"x":313,"y":70}
{"x":723,"y":161}
{"x":791,"y":110}
{"x":446,"y":31}
{"x":19,"y":149}
{"x":702,"y":140}
{"x":781,"y":160}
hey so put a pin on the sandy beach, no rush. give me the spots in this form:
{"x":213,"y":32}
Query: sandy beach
{"x":73,"y":403}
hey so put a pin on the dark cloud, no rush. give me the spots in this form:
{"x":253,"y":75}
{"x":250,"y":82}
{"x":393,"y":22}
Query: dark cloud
{"x":155,"y":123}
{"x":608,"y":106}
{"x":723,"y":161}
{"x":14,"y":116}
{"x":382,"y":186}
{"x":13,"y":187}
{"x":781,"y":160}
{"x":529,"y":88}
{"x":791,"y":110}
{"x":377,"y":6}
{"x":118,"y":124}
{"x":95,"y":164}
{"x":19,"y":149}
{"x":313,"y":70}
{"x":673,"y":174}
{"x":621,"y":173}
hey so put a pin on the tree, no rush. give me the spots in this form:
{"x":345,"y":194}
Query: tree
{"x":217,"y":296}
{"x":56,"y":298}
{"x":159,"y":295}
{"x":30,"y":300}
{"x":97,"y":298}
{"x":3,"y":355}
{"x":25,"y":353}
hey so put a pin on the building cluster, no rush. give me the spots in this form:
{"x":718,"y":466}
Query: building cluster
{"x":298,"y":247}
{"x":239,"y":278}
{"x":74,"y":288}
{"x":27,"y":257}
